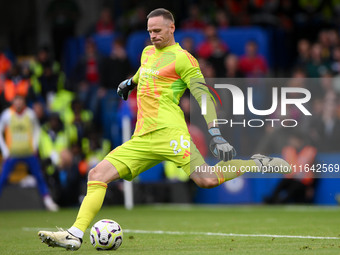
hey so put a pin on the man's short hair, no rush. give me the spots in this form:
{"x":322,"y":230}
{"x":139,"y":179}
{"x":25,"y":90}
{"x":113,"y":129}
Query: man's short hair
{"x":161,"y":12}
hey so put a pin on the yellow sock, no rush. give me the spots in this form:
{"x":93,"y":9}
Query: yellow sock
{"x":231,"y":169}
{"x":91,"y":204}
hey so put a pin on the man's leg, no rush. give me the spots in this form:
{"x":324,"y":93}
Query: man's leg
{"x":7,"y":168}
{"x":211,"y":176}
{"x":35,"y":169}
{"x":206,"y":176}
{"x":98,"y":179}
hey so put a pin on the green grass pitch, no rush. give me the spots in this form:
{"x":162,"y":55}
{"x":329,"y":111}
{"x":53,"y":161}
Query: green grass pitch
{"x":165,"y":229}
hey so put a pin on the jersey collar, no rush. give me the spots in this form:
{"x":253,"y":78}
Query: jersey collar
{"x":167,"y":47}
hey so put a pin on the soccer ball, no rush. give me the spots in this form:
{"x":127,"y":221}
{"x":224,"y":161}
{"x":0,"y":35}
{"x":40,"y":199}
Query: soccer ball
{"x":106,"y":235}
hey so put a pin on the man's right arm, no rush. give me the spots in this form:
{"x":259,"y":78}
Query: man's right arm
{"x":3,"y":123}
{"x":125,"y":87}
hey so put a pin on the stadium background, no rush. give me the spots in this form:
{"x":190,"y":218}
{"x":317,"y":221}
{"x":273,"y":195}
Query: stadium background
{"x":278,"y":28}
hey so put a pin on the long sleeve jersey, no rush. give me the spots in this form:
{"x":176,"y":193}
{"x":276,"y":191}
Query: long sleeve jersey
{"x":162,"y":78}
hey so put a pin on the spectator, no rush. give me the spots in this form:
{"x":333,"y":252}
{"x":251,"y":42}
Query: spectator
{"x":79,"y":117}
{"x":54,"y":139}
{"x":63,"y":16}
{"x":298,"y":186}
{"x":222,"y":19}
{"x":94,"y":146}
{"x":285,"y":13}
{"x":47,"y":85}
{"x":252,"y":64}
{"x":116,"y":67}
{"x":19,"y":137}
{"x":68,"y":180}
{"x":213,"y":49}
{"x":136,"y":19}
{"x":312,"y":123}
{"x":207,"y":69}
{"x":325,"y":44}
{"x":212,"y":44}
{"x":335,"y":64}
{"x":87,"y":75}
{"x":194,"y":20}
{"x":317,"y":66}
{"x":308,"y":19}
{"x":238,"y":11}
{"x":333,"y":36}
{"x":15,"y":84}
{"x":327,"y":84}
{"x":328,"y":126}
{"x":189,"y":45}
{"x":5,"y":64}
{"x":41,"y":112}
{"x":43,"y":58}
{"x":303,"y":53}
{"x":231,"y":64}
{"x":47,"y":78}
{"x":105,"y":25}
{"x":263,"y":13}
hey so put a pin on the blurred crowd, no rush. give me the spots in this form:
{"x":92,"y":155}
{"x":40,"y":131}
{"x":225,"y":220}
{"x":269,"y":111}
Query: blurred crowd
{"x":80,"y":114}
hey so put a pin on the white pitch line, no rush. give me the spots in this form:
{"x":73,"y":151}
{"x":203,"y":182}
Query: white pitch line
{"x":161,"y":232}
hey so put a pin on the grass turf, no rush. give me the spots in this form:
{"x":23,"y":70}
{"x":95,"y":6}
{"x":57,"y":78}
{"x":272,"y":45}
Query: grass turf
{"x":18,"y":230}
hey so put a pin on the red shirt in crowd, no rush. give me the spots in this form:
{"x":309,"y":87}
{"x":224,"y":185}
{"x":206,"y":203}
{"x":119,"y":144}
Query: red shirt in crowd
{"x":253,"y":67}
{"x":92,"y":74}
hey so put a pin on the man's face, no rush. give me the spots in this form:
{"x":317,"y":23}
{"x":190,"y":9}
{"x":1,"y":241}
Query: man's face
{"x":161,"y":31}
{"x":18,"y":104}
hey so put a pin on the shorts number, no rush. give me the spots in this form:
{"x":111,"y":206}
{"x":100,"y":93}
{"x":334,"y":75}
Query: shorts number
{"x":183,"y":142}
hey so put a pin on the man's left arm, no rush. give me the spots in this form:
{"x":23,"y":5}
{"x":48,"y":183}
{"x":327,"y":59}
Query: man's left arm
{"x":190,"y":73}
{"x":36,"y":131}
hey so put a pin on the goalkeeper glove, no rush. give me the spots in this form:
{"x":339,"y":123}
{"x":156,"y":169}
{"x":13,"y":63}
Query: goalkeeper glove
{"x":125,"y":88}
{"x":219,"y":147}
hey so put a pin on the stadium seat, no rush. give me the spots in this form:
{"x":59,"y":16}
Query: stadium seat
{"x":73,"y":50}
{"x":135,"y":45}
{"x":104,"y":43}
{"x":136,"y":42}
{"x":236,"y":39}
{"x":154,"y":174}
{"x":328,"y":184}
{"x":196,"y":35}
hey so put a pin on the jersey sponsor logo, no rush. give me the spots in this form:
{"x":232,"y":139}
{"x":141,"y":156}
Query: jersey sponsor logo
{"x":149,"y":71}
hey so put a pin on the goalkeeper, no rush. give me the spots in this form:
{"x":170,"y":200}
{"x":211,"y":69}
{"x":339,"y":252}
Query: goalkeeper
{"x":161,"y":133}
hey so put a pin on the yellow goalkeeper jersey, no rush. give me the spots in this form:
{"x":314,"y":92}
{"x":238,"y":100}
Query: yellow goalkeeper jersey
{"x":162,"y":78}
